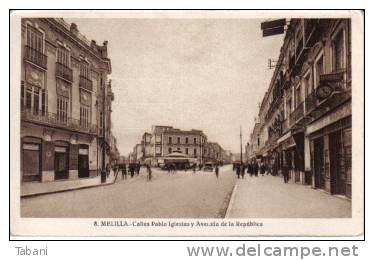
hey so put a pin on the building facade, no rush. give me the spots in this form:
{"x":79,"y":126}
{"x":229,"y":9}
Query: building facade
{"x":305,"y":116}
{"x":165,"y":140}
{"x":65,"y":102}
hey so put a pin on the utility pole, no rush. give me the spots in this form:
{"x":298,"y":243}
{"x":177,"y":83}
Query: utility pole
{"x":241,"y":148}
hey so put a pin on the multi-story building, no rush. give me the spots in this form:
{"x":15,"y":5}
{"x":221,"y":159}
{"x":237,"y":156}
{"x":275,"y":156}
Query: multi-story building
{"x":165,"y":140}
{"x":305,"y":116}
{"x":214,"y":152}
{"x":65,"y":102}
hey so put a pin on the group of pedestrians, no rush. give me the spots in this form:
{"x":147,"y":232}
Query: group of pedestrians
{"x":255,"y":168}
{"x":132,"y":169}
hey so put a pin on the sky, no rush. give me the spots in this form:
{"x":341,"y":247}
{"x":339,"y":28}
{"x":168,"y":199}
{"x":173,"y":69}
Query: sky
{"x":206,"y":74}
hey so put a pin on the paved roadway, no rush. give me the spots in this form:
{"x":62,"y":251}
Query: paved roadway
{"x":180,"y":195}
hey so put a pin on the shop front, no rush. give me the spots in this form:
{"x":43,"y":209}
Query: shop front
{"x":331,"y":157}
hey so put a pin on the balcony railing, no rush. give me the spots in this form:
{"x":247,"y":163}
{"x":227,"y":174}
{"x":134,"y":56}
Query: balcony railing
{"x":299,"y":112}
{"x":64,"y":72}
{"x":54,"y":120}
{"x":310,"y":102}
{"x":85,"y":83}
{"x":36,"y":57}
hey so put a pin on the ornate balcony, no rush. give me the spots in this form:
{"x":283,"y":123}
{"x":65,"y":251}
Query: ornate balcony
{"x":36,"y":57}
{"x":64,"y":72}
{"x":54,"y":120}
{"x":85,"y":83}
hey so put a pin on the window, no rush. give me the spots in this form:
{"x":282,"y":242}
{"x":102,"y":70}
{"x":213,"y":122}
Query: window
{"x":298,"y":95}
{"x":308,"y":84}
{"x":319,"y":69}
{"x":289,"y":107}
{"x":179,"y":140}
{"x":34,"y":39}
{"x":170,"y":140}
{"x":84,"y":70}
{"x":34,"y":99}
{"x":338,"y":52}
{"x":186,"y":150}
{"x":194,"y":140}
{"x":85,"y":108}
{"x":84,"y":115}
{"x":63,"y":56}
{"x":101,"y":122}
{"x":62,"y":109}
{"x":186,"y":140}
{"x":194,"y":152}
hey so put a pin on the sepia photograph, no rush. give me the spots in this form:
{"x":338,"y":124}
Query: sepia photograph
{"x":155,"y":123}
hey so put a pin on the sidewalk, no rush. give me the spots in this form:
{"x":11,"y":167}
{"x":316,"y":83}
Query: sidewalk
{"x":269,"y":197}
{"x":39,"y":188}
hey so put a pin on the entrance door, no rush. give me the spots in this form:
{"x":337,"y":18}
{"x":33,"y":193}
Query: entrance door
{"x":61,"y":163}
{"x":338,"y":175}
{"x":83,"y":168}
{"x":319,"y":173}
{"x":31,"y":167}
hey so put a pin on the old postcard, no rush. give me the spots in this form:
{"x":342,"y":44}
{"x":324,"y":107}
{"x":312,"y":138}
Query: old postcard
{"x":187,"y":123}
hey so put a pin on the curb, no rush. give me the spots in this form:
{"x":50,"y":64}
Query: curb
{"x":231,"y":201}
{"x":59,"y":191}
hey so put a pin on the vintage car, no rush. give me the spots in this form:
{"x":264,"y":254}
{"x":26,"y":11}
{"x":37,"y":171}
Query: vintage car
{"x":208,"y":167}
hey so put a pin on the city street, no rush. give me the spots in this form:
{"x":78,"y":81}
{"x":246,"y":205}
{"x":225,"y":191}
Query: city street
{"x":268,"y":197}
{"x":180,"y":195}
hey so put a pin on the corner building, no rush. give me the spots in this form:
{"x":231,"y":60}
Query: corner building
{"x":65,"y":102}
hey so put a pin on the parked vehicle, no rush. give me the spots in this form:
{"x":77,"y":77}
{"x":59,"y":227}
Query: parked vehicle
{"x":208,"y":167}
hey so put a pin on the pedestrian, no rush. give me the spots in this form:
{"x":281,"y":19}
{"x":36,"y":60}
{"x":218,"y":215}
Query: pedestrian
{"x":132,"y":170}
{"x":124,"y":171}
{"x":242,"y":170}
{"x":255,"y":168}
{"x":149,"y":172}
{"x":238,"y":172}
{"x":137,"y":168}
{"x":262,"y":169}
{"x":217,"y":171}
{"x":285,"y":172}
{"x":107,"y":170}
{"x":194,"y":168}
{"x":168,"y":168}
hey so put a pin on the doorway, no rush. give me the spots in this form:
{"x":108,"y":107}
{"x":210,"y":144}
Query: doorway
{"x":338,"y":174}
{"x":31,"y":167}
{"x":83,"y":166}
{"x":61,"y":163}
{"x":319,"y":174}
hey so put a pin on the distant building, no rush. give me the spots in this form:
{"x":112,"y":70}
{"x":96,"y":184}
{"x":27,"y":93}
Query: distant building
{"x":165,"y":140}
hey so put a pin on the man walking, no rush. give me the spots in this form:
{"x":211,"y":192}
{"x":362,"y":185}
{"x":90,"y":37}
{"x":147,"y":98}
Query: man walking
{"x":149,"y":172}
{"x":285,"y":172}
{"x":124,"y":171}
{"x":217,"y":171}
{"x":238,"y":171}
{"x":242,"y":170}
